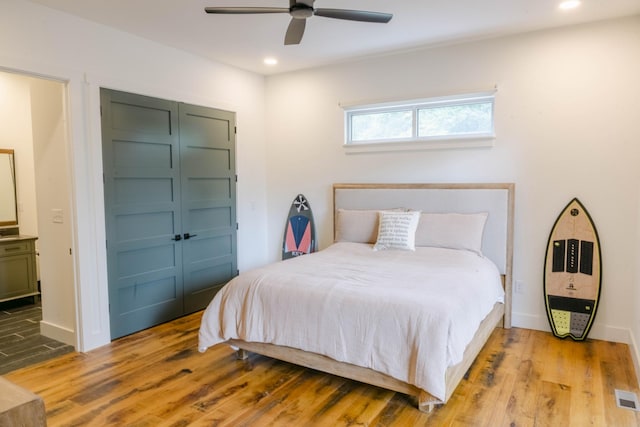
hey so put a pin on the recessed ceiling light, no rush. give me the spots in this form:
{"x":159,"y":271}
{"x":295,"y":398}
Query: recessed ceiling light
{"x":570,"y":4}
{"x":270,"y":61}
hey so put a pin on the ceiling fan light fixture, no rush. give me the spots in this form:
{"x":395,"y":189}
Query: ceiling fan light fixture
{"x":569,"y":4}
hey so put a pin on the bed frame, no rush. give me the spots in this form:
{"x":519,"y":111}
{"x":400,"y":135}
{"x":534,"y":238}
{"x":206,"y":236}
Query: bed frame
{"x":497,"y":199}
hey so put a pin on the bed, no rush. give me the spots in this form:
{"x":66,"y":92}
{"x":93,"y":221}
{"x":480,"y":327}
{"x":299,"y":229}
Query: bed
{"x":405,"y":298}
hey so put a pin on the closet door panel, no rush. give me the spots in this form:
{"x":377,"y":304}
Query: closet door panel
{"x":142,"y":211}
{"x":207,"y":160}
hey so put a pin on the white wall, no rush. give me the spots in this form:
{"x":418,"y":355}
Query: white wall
{"x":567,"y":124}
{"x":53,"y":183}
{"x":87,"y":56}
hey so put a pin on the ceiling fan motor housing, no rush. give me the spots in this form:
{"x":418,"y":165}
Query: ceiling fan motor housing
{"x":301,"y":11}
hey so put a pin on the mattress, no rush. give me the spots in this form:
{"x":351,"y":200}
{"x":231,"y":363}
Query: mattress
{"x":408,"y":314}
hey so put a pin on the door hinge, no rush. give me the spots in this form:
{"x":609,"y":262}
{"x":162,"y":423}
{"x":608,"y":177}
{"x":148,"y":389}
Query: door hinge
{"x":235,"y":130}
{"x":237,"y":272}
{"x":237,"y":226}
{"x":236,"y":177}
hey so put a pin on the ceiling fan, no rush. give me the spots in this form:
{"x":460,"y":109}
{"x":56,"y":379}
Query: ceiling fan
{"x":300,"y":11}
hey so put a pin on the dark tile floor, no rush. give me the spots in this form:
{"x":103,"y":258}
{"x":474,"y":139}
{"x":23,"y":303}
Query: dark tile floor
{"x":20,"y":341}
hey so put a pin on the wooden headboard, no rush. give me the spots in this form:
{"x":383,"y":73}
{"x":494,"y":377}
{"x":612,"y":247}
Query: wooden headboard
{"x":496,"y":199}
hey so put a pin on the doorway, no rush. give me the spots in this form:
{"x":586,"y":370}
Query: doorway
{"x":33,"y":123}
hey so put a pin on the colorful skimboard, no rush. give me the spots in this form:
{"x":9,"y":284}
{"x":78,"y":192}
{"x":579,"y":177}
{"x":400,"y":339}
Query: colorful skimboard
{"x":572,"y":277}
{"x":300,"y":232}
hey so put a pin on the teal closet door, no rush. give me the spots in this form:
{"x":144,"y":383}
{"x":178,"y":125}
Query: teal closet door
{"x":142,"y":210}
{"x":207,"y":161}
{"x":170,"y":207}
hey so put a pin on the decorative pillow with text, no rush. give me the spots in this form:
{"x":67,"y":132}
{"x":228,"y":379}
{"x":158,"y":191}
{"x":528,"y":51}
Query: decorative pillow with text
{"x":397,"y":230}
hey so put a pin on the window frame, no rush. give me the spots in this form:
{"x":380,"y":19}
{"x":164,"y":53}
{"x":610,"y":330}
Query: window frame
{"x":477,"y":139}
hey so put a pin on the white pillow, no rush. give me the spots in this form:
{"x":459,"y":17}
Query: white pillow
{"x":397,"y":230}
{"x":358,"y":225}
{"x":452,"y":230}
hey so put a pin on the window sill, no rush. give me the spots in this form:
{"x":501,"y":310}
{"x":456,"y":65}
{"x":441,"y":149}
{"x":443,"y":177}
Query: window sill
{"x":420,"y":145}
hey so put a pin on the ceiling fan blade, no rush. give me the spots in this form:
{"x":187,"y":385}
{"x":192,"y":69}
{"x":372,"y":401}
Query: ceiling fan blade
{"x":246,"y":10}
{"x":295,"y":31}
{"x":354,"y":15}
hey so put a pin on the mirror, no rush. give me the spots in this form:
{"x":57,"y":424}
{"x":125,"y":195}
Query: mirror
{"x":8,"y":205}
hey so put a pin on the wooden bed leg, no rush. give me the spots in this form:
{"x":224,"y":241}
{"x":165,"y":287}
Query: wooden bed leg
{"x":426,"y":402}
{"x":242,"y":354}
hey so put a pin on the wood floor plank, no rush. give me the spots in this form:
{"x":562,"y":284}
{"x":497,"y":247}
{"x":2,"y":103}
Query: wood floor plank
{"x":493,"y":375}
{"x":554,"y":405}
{"x":590,"y":393}
{"x":359,"y":407}
{"x":291,"y":401}
{"x":254,"y":393}
{"x":305,"y":402}
{"x":521,"y":410}
{"x":157,"y":377}
{"x":396,"y":414}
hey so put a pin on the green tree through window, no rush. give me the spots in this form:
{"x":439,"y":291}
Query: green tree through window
{"x":453,"y":117}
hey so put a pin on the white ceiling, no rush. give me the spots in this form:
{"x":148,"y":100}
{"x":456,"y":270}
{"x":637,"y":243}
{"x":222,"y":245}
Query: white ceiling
{"x":245,"y":40}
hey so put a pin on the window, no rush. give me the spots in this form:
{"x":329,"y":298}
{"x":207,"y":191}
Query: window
{"x":453,"y":121}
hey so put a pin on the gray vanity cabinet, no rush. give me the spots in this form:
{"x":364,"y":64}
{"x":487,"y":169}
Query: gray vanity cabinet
{"x":17,"y":268}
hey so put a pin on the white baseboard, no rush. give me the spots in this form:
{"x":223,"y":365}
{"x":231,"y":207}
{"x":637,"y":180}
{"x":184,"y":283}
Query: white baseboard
{"x":611,"y":333}
{"x":598,"y":331}
{"x":530,"y":321}
{"x":58,"y":333}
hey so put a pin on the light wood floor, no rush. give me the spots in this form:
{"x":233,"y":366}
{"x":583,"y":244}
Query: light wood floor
{"x":158,"y":378}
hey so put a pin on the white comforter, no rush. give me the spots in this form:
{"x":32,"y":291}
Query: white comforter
{"x":407,"y":314}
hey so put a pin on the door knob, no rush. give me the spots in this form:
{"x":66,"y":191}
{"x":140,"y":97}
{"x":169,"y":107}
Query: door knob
{"x":187,"y":236}
{"x":177,"y":237}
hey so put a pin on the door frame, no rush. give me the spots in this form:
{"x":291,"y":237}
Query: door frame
{"x":69,"y":334}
